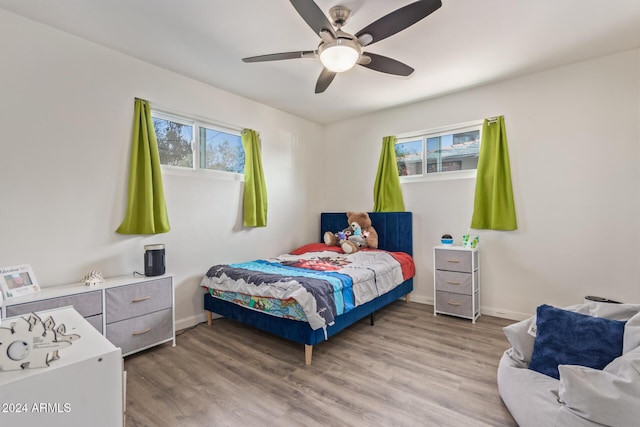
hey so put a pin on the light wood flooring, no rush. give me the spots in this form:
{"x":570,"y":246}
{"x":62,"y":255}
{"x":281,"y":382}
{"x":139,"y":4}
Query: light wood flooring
{"x":411,"y":369}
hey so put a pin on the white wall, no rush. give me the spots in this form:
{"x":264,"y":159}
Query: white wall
{"x":66,"y":109}
{"x":574,"y":143}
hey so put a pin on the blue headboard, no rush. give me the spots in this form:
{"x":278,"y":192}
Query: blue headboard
{"x":395,"y":229}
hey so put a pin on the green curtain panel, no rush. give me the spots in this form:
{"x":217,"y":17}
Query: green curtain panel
{"x":146,"y":207}
{"x":255,"y":188}
{"x":387,"y":193}
{"x":493,"y":207}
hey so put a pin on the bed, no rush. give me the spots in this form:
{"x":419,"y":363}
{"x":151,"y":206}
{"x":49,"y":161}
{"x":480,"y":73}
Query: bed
{"x":286,"y":320}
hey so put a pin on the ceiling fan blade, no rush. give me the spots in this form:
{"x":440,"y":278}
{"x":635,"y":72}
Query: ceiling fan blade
{"x":312,"y":15}
{"x":386,"y":65}
{"x":398,"y":20}
{"x":325,"y":79}
{"x":281,"y":56}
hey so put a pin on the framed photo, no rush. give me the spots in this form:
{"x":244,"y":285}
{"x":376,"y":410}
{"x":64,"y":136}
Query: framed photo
{"x":17,"y":281}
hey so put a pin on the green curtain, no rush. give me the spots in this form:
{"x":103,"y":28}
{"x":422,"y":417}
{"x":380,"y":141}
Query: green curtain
{"x":387,"y":193}
{"x":146,"y":208}
{"x":255,"y":188}
{"x":493,"y":207}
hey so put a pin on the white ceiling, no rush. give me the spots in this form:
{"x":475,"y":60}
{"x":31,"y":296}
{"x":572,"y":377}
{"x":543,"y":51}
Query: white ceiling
{"x":463,"y":44}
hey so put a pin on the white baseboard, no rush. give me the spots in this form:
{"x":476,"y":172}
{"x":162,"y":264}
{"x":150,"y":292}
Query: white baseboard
{"x":190,"y":321}
{"x":421,"y":300}
{"x":487,"y":311}
{"x":505,"y":314}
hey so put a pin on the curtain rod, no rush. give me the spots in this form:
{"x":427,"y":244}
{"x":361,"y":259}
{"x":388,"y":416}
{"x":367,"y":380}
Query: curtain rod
{"x":492,"y":120}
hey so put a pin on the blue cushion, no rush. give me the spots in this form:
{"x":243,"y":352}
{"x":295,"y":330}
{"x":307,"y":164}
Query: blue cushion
{"x":564,"y":337}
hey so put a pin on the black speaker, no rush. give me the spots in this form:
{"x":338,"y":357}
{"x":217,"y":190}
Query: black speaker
{"x":154,"y":260}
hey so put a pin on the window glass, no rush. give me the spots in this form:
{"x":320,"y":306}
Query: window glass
{"x":433,"y":154}
{"x":221,"y":151}
{"x":463,"y":152}
{"x":174,"y":142}
{"x":451,"y":150}
{"x":409,"y":157}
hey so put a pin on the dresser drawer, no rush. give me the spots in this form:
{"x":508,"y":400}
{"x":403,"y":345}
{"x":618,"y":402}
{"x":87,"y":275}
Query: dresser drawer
{"x":455,"y":260}
{"x":453,"y":281}
{"x":87,"y":304}
{"x":96,"y":322}
{"x":457,"y":304}
{"x":125,"y":302}
{"x":142,"y":331}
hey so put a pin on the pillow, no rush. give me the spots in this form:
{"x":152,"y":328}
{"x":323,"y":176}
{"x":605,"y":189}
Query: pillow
{"x":568,"y":338}
{"x":608,"y":397}
{"x":612,"y":311}
{"x":631,"y":334}
{"x":521,"y":341}
{"x":315,"y":247}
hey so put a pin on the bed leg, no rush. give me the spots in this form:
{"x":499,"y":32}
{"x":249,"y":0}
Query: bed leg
{"x":371,"y":318}
{"x":209,"y":318}
{"x":407,"y":298}
{"x":308,"y":352}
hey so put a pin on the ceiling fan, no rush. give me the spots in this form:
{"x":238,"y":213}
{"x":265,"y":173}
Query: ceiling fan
{"x":340,"y":51}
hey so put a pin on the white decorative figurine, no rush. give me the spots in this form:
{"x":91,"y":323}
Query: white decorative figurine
{"x":94,"y":278}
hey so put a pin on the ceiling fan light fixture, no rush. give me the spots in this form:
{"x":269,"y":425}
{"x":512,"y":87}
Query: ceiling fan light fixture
{"x":339,"y":55}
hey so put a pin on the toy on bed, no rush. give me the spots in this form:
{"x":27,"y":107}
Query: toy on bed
{"x":359,"y":234}
{"x":341,"y":235}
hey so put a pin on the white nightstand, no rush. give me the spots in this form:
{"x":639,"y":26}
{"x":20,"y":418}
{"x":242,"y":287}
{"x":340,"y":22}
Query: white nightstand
{"x":456,"y":282}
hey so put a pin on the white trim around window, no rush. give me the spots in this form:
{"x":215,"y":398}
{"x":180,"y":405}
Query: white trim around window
{"x":194,"y":134}
{"x":419,"y":140}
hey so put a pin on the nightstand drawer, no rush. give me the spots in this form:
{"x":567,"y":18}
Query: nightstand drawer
{"x":455,"y":260}
{"x":87,"y":304}
{"x":457,"y":304}
{"x":140,"y":332}
{"x":125,"y":302}
{"x":452,"y":281}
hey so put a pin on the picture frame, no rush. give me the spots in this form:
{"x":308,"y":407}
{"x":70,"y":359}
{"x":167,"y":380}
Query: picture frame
{"x":18,"y":280}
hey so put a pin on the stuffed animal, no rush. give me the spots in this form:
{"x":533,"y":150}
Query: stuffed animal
{"x":360,"y":234}
{"x":336,"y":239}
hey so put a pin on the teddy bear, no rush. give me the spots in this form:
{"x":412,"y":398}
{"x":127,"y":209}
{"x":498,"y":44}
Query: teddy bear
{"x":359,"y":234}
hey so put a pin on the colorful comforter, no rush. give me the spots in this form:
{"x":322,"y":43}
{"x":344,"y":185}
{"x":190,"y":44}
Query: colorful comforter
{"x":313,"y":286}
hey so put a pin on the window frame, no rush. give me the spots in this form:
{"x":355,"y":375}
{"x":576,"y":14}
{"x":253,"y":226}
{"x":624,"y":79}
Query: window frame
{"x":424,"y":135}
{"x":196,"y":124}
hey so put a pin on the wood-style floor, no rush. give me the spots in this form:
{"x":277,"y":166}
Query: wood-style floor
{"x":411,"y":369}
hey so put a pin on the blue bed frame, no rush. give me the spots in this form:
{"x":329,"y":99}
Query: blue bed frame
{"x":395,"y":233}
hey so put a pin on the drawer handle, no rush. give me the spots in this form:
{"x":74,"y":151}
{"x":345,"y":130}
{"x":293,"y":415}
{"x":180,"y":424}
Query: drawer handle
{"x":453,"y":283}
{"x":453,"y":260}
{"x":141,"y":299}
{"x":141,"y":332}
{"x":453,"y":303}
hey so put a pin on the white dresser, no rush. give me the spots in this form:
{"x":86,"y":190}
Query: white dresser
{"x":84,"y":387}
{"x":134,"y":313}
{"x":456,"y":282}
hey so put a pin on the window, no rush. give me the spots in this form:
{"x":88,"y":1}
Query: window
{"x":451,"y":149}
{"x":218,"y":148}
{"x":221,"y":150}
